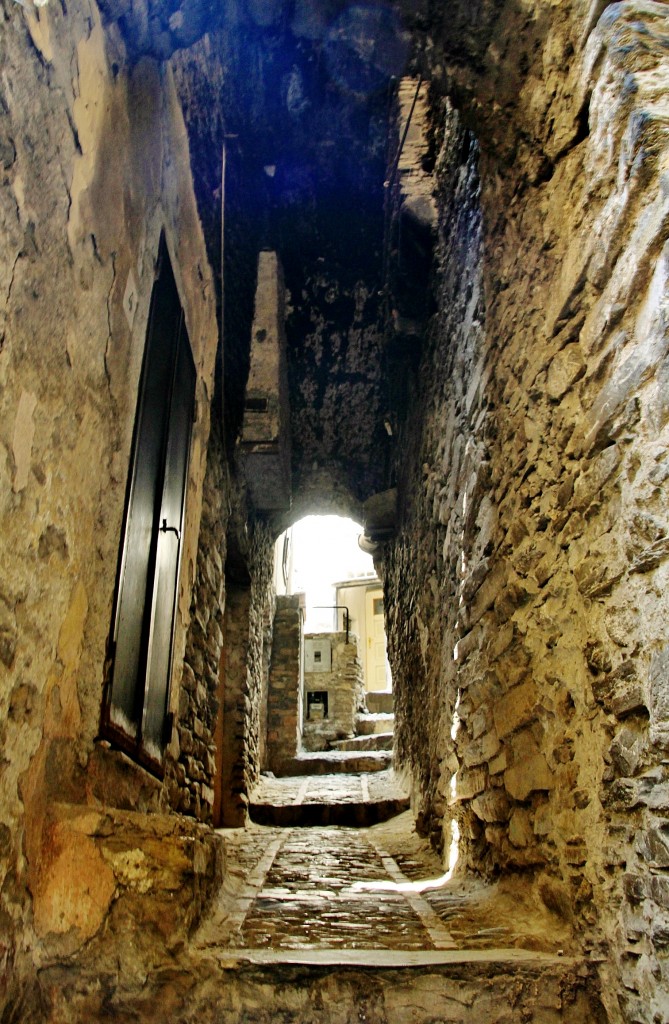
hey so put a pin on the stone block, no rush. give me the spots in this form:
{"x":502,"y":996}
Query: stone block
{"x":626,"y":751}
{"x":491,"y":806}
{"x":660,"y":931}
{"x":481,"y":750}
{"x":515,"y":595}
{"x":468,"y":784}
{"x":487,"y":594}
{"x":589,"y":484}
{"x":566,"y":367}
{"x":518,"y":707}
{"x":75,"y":886}
{"x":628,"y":699}
{"x":529,"y":775}
{"x":653,"y":845}
{"x":185,"y":740}
{"x":658,"y":692}
{"x":520,"y":829}
{"x":658,"y":890}
{"x":499,"y":763}
{"x":596,"y":575}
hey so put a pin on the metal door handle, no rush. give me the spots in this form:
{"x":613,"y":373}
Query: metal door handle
{"x":169,"y":529}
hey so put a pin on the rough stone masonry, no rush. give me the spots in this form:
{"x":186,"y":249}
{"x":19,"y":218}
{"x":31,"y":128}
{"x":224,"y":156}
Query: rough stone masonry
{"x":487,"y":334}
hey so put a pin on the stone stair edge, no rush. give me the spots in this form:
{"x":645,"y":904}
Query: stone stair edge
{"x":392,"y":959}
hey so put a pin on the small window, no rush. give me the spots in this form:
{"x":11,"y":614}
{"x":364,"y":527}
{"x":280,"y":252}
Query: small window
{"x":256,"y":404}
{"x":318,"y":656}
{"x":378,"y":606}
{"x":317,"y":705}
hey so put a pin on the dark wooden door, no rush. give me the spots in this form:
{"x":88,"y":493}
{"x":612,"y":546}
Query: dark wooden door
{"x":135,"y":707}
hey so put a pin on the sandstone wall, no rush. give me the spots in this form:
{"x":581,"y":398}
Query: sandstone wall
{"x":93,"y":164}
{"x":528,"y":636}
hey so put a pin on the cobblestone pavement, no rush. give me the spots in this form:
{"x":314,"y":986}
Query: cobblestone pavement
{"x":380,"y":888}
{"x":330,"y":789}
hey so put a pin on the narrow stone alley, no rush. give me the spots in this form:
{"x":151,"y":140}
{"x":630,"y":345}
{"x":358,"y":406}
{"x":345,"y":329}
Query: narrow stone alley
{"x":400,"y":261}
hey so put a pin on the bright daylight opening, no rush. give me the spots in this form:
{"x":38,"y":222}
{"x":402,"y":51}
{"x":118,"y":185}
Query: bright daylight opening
{"x":319,"y":556}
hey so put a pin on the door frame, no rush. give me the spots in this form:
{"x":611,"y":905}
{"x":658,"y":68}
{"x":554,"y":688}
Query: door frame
{"x":131,"y":740}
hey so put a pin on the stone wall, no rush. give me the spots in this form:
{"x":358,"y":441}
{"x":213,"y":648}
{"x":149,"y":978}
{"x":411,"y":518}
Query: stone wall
{"x":79,"y":232}
{"x":344,"y":685}
{"x":284,"y":703}
{"x":192,"y":765}
{"x":221,"y":721}
{"x":527,"y":590}
{"x":261,"y":614}
{"x":338,"y":372}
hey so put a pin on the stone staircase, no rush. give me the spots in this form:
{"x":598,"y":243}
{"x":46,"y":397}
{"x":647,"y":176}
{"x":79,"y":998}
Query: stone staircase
{"x":373,"y":727}
{"x":353,"y":799}
{"x":369,"y":750}
{"x":345,"y":796}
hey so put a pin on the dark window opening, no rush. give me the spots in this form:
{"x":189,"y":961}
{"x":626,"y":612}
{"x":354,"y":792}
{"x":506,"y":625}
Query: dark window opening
{"x":317,"y":704}
{"x":256,"y":404}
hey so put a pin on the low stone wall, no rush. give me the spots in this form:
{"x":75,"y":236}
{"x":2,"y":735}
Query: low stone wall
{"x":138,"y":875}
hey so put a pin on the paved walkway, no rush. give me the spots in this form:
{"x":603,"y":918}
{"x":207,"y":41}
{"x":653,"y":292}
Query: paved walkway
{"x":352,"y":787}
{"x":355,"y":799}
{"x":331,"y":926}
{"x":376,"y":889}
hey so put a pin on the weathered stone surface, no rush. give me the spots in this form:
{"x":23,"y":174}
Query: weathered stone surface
{"x":491,"y":806}
{"x":345,"y":688}
{"x":575,"y":456}
{"x":527,"y":776}
{"x":517,"y":708}
{"x":285,"y":695}
{"x":564,"y":370}
{"x":95,"y":165}
{"x":62,"y":908}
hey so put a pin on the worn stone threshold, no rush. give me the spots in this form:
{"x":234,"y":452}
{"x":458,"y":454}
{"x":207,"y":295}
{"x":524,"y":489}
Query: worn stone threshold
{"x":326,"y":761}
{"x":352,"y":814}
{"x":396,"y":958}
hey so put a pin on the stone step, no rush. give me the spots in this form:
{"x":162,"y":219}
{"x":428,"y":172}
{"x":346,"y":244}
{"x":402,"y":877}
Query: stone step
{"x":332,"y":986}
{"x":367,"y":725}
{"x":379,"y":701}
{"x":327,"y":762}
{"x":355,"y":800}
{"x":377,"y":741}
{"x":387,"y":987}
{"x":356,"y":814}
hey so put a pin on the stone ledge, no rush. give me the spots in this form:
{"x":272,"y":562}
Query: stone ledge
{"x":150,"y":868}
